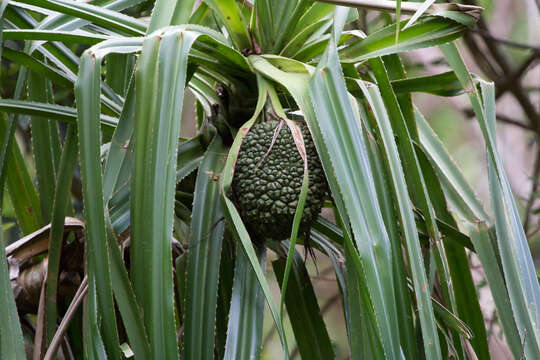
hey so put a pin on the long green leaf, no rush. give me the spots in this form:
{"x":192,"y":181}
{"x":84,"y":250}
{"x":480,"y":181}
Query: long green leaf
{"x":118,"y":73}
{"x":56,"y":112}
{"x":66,"y":26}
{"x":262,"y":23}
{"x":296,"y":43}
{"x":363,"y":340}
{"x":207,"y":226}
{"x":423,"y":298}
{"x":94,"y":348}
{"x":315,"y":12}
{"x":286,"y":18}
{"x":118,"y":206}
{"x":330,"y":99}
{"x":11,"y":338}
{"x":419,"y":12}
{"x":20,"y":187}
{"x":516,"y":259}
{"x":127,"y":304}
{"x":481,"y":237}
{"x":119,"y":161}
{"x":88,"y":95}
{"x":466,"y":14}
{"x":228,"y":13}
{"x":304,"y":312}
{"x":100,"y":16}
{"x":67,"y":62}
{"x":444,"y":84}
{"x":38,"y":67}
{"x":26,"y":203}
{"x":183,"y":12}
{"x":160,"y":81}
{"x":246,"y":314}
{"x":125,"y":297}
{"x":3,"y":6}
{"x":163,"y":13}
{"x":387,"y":201}
{"x":170,"y":13}
{"x":451,"y":321}
{"x":226,"y":279}
{"x":458,"y":192}
{"x":57,"y":53}
{"x":62,"y":197}
{"x":466,"y":206}
{"x":63,"y":22}
{"x":190,"y":155}
{"x":316,"y":48}
{"x":520,"y":274}
{"x":427,"y":32}
{"x":87,"y":90}
{"x":403,"y":122}
{"x":77,"y":37}
{"x":118,"y":167}
{"x":45,"y":144}
{"x":464,"y":289}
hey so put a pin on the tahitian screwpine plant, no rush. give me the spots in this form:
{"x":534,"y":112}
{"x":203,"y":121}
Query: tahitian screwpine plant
{"x":157,"y":263}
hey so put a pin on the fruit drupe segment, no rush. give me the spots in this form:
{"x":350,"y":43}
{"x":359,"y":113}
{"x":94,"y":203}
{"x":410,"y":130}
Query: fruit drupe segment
{"x":267,"y":183}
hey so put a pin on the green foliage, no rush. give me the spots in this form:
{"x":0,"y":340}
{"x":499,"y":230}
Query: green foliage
{"x":167,"y":254}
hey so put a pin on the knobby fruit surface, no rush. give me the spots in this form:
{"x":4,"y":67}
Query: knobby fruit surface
{"x":266,"y":192}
